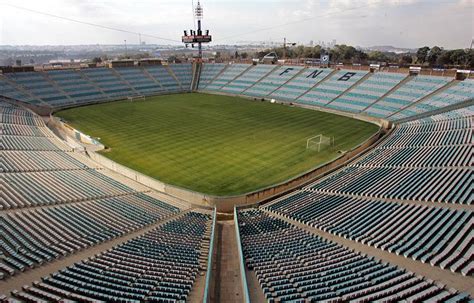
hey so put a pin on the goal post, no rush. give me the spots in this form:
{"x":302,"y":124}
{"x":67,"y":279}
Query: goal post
{"x":318,"y":142}
{"x":133,"y":98}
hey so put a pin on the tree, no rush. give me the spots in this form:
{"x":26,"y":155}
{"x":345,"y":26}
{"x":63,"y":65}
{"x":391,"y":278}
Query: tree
{"x":458,"y":57}
{"x":422,"y":54}
{"x":244,"y":55}
{"x":433,"y":55}
{"x":377,"y":56}
{"x":470,"y":58}
{"x":97,"y":60}
{"x":405,"y":59}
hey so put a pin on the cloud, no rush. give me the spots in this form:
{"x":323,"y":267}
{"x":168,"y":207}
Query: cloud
{"x":407,"y":23}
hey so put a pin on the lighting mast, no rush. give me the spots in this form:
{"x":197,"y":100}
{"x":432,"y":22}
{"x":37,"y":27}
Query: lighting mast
{"x":196,"y":36}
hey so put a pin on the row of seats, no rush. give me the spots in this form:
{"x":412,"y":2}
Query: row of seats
{"x":32,"y":161}
{"x":159,"y":266}
{"x":247,"y":79}
{"x":140,"y":81}
{"x":209,"y":72}
{"x":440,"y":236}
{"x":273,"y":81}
{"x":368,"y":92}
{"x":427,"y":144}
{"x":75,"y":87}
{"x":459,"y":92}
{"x":330,"y":89}
{"x":9,"y":89}
{"x":427,"y":160}
{"x":293,"y":265}
{"x":385,"y":95}
{"x":301,"y":83}
{"x":26,"y":189}
{"x":184,"y":74}
{"x":39,"y":169}
{"x":381,"y":94}
{"x":406,"y":95}
{"x":231,"y":72}
{"x":450,"y":115}
{"x":443,"y":185}
{"x":32,"y":237}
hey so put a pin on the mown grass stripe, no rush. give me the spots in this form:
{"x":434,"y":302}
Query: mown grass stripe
{"x":215,"y":144}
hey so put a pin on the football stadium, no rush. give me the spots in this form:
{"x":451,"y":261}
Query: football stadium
{"x":236,"y":180}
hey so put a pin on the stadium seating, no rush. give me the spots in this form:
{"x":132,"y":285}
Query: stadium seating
{"x":302,"y":83}
{"x":140,"y":82}
{"x":367,"y":92}
{"x":80,"y":205}
{"x":109,"y":82}
{"x":380,"y":95}
{"x":184,"y":73}
{"x":160,"y":266}
{"x":35,"y":236}
{"x":209,"y":72}
{"x":231,"y":72}
{"x":76,"y":87}
{"x":419,"y":232}
{"x":38,"y":85}
{"x":412,"y":91}
{"x":161,"y":74}
{"x":331,"y":88}
{"x":294,"y":265}
{"x":422,"y":160}
{"x":247,"y":79}
{"x":10,"y":91}
{"x":457,"y":93}
{"x":397,"y":197}
{"x":273,"y":81}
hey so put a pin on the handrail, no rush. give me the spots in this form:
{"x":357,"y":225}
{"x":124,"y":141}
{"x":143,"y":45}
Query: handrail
{"x":243,"y":277}
{"x":206,"y":296}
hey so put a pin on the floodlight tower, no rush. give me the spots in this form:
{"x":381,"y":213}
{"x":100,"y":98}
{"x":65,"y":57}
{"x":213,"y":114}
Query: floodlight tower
{"x":196,"y":36}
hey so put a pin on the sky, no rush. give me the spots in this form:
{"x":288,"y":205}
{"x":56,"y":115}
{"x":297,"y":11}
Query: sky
{"x":401,"y":23}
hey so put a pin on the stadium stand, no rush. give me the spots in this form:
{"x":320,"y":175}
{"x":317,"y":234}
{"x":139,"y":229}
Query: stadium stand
{"x":412,"y":91}
{"x":231,"y":72}
{"x":367,"y":92}
{"x":109,"y":82}
{"x":160,"y":266}
{"x":429,"y":234}
{"x":183,"y":73}
{"x":162,"y":75}
{"x":301,"y":84}
{"x":461,"y":91}
{"x":32,"y":237}
{"x":90,"y":207}
{"x":38,"y":85}
{"x":75,"y":86}
{"x":140,"y":82}
{"x":10,"y":91}
{"x":55,"y":202}
{"x":293,"y":265}
{"x":331,"y":88}
{"x":422,"y":160}
{"x":249,"y":78}
{"x":273,"y":81}
{"x":385,"y":95}
{"x":209,"y":72}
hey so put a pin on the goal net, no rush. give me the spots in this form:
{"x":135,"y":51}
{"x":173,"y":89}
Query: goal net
{"x":133,"y":98}
{"x":319,"y":142}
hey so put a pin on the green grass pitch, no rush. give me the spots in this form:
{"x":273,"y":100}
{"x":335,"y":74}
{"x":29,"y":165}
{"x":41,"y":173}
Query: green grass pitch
{"x":214,"y":144}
